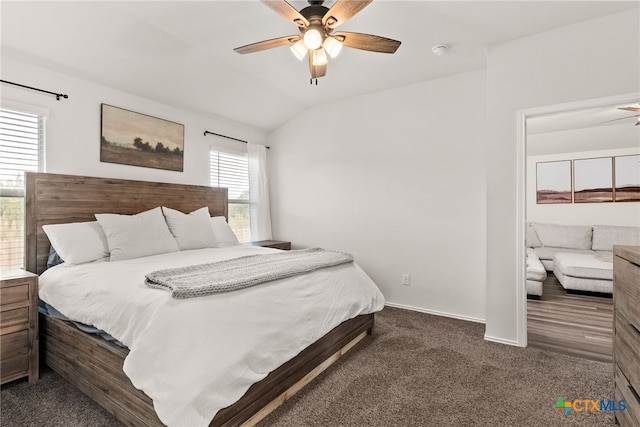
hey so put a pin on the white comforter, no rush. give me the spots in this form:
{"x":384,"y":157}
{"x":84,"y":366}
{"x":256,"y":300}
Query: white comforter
{"x":196,"y":356}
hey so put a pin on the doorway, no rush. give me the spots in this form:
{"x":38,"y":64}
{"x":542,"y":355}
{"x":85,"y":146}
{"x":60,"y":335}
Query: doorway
{"x":551,"y":133}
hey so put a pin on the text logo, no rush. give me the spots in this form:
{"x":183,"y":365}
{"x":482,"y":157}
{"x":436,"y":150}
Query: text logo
{"x":589,"y":405}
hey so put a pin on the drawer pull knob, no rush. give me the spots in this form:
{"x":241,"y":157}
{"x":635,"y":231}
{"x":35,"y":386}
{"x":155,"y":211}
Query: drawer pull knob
{"x":634,"y":328}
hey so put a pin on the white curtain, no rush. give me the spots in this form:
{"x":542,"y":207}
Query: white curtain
{"x":259,"y":192}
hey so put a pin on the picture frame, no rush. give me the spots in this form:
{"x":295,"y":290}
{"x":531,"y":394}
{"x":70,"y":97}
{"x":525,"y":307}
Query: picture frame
{"x":627,"y":178}
{"x":553,"y":182}
{"x":136,"y":139}
{"x":593,"y":180}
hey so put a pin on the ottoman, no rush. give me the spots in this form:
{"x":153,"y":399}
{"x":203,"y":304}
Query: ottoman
{"x":591,"y":272}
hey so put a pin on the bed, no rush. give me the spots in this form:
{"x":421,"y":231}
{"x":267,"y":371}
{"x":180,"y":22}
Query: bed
{"x":94,"y":365}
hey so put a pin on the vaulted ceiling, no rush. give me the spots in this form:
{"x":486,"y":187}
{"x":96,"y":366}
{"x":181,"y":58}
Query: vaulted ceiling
{"x":181,"y":52}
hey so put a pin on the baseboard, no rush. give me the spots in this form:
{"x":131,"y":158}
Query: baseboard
{"x":501,"y":341}
{"x":435,"y":312}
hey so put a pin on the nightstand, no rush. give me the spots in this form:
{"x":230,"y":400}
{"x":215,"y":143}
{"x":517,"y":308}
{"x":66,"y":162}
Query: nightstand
{"x":276,"y":244}
{"x":18,"y":325}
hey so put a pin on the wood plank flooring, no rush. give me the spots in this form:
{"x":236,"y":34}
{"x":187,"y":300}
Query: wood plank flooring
{"x":576,"y":324}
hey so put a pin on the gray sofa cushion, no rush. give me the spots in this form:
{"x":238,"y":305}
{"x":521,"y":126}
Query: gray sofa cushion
{"x":589,"y":266}
{"x":535,"y":269}
{"x":581,"y":284}
{"x":605,"y":236}
{"x":565,"y":236}
{"x":534,"y":287}
{"x":548,"y":252}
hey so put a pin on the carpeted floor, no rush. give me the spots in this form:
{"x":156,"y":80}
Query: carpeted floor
{"x":416,"y":370}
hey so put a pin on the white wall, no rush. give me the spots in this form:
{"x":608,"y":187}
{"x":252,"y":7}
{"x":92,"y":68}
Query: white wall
{"x":397,"y":179}
{"x":73,"y":125}
{"x":593,"y":59}
{"x":623,"y":213}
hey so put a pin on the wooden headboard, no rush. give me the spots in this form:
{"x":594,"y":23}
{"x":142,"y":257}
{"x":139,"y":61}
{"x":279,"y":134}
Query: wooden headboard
{"x":54,"y":199}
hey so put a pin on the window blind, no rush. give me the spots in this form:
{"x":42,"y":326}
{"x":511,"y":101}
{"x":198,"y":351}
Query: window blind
{"x":231,"y":171}
{"x":21,"y":149}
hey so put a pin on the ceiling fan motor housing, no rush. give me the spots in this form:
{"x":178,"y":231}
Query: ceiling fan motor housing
{"x":314,"y":13}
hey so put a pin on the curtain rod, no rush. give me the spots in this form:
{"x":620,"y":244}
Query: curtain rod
{"x":228,"y":137}
{"x":57,"y":95}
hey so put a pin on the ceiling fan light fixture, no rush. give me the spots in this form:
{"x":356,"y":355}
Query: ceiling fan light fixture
{"x":333,"y":46}
{"x":319,"y":57}
{"x":299,"y":49}
{"x":312,"y":39}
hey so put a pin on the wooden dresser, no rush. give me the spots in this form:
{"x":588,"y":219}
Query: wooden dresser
{"x":18,"y":325}
{"x":626,"y":332}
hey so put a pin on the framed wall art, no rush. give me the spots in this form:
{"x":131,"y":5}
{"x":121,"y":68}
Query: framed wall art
{"x":627,"y":178}
{"x":136,"y":139}
{"x":593,"y":180}
{"x":553,"y":182}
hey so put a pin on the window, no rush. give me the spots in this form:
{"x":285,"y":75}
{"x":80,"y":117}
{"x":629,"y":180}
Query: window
{"x":21,"y":149}
{"x":231,"y":170}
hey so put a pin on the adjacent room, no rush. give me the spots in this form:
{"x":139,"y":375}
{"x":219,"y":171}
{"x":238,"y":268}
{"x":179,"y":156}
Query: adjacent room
{"x":389,"y":213}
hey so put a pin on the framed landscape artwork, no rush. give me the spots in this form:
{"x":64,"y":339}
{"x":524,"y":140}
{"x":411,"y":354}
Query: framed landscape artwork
{"x":627,"y":178}
{"x":593,"y":180}
{"x":135,"y":139}
{"x":553,"y":182}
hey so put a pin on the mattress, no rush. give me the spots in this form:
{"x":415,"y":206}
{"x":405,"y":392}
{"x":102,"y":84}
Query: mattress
{"x":196,"y":356}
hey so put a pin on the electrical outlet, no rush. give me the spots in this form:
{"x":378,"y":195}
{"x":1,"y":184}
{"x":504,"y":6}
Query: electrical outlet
{"x":406,"y":279}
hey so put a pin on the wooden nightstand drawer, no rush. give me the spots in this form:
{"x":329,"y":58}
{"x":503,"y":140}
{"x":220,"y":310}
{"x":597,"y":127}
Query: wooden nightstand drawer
{"x":14,"y":344}
{"x":14,"y":297}
{"x":18,"y":325}
{"x":14,"y":320}
{"x":14,"y":367}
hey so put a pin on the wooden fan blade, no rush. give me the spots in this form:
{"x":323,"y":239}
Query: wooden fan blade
{"x":342,"y":11}
{"x":284,"y":9}
{"x":615,"y":120}
{"x":634,"y":109}
{"x":267,"y":44}
{"x":316,"y":71}
{"x":368,"y":42}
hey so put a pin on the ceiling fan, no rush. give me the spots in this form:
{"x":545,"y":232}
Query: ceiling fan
{"x":632,"y":109}
{"x":316,"y":24}
{"x":635,"y":110}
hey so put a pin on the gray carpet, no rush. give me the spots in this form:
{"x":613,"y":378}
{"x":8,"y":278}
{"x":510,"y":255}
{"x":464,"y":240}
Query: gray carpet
{"x":416,"y":370}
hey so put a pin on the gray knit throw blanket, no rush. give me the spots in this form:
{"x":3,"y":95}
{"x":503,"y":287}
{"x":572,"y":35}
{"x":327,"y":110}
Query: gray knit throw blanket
{"x":243,"y":272}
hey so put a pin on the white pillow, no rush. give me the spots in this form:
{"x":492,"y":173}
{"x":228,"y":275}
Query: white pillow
{"x":191,"y":231}
{"x":531,"y":238}
{"x":78,"y":242}
{"x":223,"y":234}
{"x":134,"y":236}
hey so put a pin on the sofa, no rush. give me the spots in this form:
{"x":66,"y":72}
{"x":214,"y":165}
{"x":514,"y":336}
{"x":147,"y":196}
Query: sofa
{"x":581,"y":257}
{"x":536,"y":273}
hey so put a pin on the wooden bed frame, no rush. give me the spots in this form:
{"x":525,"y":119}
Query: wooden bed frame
{"x":94,"y":365}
